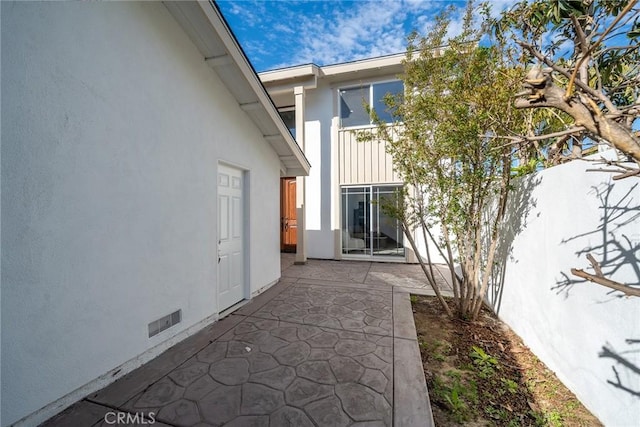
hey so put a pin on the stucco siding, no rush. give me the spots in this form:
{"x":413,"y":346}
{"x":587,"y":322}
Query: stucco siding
{"x":582,"y":331}
{"x":318,"y":116}
{"x":112,"y":129}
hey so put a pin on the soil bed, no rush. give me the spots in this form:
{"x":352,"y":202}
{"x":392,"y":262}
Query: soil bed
{"x":481,"y":374}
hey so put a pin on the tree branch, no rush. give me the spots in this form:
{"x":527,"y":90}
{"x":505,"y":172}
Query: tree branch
{"x":555,"y":67}
{"x":606,"y":282}
{"x":545,"y":93}
{"x":588,"y":52}
{"x":601,"y":280}
{"x":521,"y":138}
{"x":627,"y":174}
{"x":570,"y":131}
{"x":623,"y":170}
{"x":596,"y":265}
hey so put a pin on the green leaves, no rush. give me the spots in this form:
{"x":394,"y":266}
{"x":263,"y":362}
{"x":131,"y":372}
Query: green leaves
{"x":563,"y":9}
{"x":592,"y":49}
{"x":484,"y":363}
{"x":458,"y":99}
{"x":634,"y":33}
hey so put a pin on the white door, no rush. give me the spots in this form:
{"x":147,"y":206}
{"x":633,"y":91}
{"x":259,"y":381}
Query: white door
{"x":230,"y":235}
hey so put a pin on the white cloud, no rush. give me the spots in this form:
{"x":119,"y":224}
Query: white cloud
{"x":284,"y":33}
{"x":283,"y":29}
{"x":366,"y":29}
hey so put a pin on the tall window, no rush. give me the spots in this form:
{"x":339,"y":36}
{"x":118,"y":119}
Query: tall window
{"x":366,"y":229}
{"x":352,"y":100}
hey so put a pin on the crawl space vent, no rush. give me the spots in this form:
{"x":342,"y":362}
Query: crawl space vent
{"x":165,"y":322}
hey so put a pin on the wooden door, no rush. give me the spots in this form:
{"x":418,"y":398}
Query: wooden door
{"x":288,"y":222}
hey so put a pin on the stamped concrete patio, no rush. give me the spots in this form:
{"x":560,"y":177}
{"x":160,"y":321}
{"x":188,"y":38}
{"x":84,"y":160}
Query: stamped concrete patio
{"x":332,"y":344}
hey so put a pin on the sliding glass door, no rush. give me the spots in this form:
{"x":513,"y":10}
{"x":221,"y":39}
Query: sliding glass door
{"x":366,"y":229}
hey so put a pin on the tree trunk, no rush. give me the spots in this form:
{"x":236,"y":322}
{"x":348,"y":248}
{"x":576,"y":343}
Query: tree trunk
{"x":407,"y":232}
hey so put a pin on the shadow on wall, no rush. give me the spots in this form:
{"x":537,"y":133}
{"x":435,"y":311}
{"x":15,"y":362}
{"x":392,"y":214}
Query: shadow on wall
{"x":628,"y":370}
{"x":519,"y":206}
{"x":615,"y":250}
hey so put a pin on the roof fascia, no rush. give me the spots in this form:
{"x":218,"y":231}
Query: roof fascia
{"x":380,"y":63}
{"x":278,"y":80}
{"x":297,"y":72}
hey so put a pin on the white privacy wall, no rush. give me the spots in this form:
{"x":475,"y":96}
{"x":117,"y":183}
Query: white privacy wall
{"x":112,"y":128}
{"x":587,"y":334}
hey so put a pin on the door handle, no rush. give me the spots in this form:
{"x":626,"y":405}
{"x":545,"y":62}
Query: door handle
{"x":219,"y":241}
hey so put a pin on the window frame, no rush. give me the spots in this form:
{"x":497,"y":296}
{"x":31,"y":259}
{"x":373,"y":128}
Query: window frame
{"x":288,"y":109}
{"x":362,"y":86}
{"x":368,"y":190}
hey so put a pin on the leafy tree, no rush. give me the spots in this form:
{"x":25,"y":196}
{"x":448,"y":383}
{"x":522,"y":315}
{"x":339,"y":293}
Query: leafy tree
{"x":456,"y":100}
{"x":583,"y":84}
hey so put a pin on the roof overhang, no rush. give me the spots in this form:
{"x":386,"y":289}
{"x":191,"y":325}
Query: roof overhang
{"x":390,"y":64}
{"x":284,"y":79}
{"x":205,"y":25}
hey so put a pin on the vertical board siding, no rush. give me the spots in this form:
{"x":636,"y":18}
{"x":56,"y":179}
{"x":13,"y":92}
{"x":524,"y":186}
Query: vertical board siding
{"x":363,"y":162}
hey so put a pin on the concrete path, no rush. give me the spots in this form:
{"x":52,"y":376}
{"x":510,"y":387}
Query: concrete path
{"x":332,"y":344}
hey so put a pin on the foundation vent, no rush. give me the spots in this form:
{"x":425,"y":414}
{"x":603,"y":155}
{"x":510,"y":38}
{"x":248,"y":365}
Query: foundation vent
{"x":165,"y":322}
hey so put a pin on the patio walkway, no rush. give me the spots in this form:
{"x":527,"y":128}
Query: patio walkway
{"x":332,"y":344}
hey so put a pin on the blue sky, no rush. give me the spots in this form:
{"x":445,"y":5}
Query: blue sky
{"x":276,"y":34}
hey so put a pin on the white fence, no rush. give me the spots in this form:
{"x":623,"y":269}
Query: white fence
{"x":587,"y":334}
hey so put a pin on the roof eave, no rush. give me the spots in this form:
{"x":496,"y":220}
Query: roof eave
{"x":205,"y":25}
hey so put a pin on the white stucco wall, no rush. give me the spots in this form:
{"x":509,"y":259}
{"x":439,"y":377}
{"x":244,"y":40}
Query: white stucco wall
{"x":434,"y":254}
{"x":573,"y":326}
{"x":112,"y":127}
{"x":318,"y":115}
{"x":322,"y":185}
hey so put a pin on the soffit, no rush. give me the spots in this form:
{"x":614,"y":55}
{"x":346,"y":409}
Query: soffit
{"x":206,"y":27}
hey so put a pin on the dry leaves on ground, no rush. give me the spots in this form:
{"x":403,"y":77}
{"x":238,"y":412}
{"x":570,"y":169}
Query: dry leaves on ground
{"x":481,"y":374}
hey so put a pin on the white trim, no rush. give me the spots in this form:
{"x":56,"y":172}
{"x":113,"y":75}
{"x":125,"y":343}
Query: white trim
{"x":388,"y":61}
{"x":362,"y":83}
{"x":372,"y":184}
{"x":336,"y":199}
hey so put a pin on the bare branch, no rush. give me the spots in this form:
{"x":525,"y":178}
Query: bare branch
{"x":616,"y":163}
{"x":607,"y":49}
{"x":627,"y":174}
{"x":582,"y":37}
{"x":623,"y":170}
{"x":525,"y":139}
{"x":625,"y":289}
{"x":570,"y":131}
{"x":622,"y":174}
{"x":596,"y":265}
